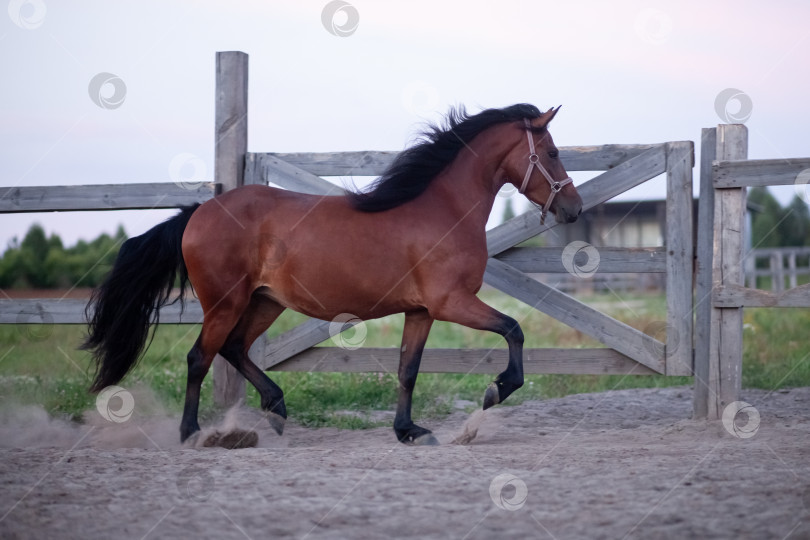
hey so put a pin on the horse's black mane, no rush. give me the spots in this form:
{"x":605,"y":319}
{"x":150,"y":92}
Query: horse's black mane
{"x":415,"y":168}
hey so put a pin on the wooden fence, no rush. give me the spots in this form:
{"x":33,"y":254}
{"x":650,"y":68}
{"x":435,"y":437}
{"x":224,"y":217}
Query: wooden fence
{"x":627,"y":349}
{"x":783,"y":263}
{"x":725,"y":173}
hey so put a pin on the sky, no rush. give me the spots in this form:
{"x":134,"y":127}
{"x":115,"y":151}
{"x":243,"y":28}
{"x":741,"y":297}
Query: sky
{"x":366,"y":75}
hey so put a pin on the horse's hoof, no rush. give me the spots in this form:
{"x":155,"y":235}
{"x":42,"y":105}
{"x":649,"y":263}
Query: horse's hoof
{"x":426,"y":440}
{"x":238,"y":438}
{"x":189,"y":435}
{"x":276,"y":421}
{"x":190,"y":440}
{"x":491,"y":397}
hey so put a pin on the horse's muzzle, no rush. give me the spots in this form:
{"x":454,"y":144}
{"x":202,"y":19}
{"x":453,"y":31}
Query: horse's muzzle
{"x":567,"y":213}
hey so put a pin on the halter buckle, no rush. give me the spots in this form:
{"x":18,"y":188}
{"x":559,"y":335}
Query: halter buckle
{"x":534,"y":158}
{"x":556,"y":187}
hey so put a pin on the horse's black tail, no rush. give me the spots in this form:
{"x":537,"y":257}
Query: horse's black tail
{"x":128,"y":301}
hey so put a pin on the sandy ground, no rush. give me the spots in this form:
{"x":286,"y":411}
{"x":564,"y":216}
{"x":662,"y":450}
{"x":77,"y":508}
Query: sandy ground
{"x":624,"y":464}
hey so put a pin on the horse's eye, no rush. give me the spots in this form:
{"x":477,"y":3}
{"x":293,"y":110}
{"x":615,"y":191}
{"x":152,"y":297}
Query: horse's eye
{"x":554,"y":154}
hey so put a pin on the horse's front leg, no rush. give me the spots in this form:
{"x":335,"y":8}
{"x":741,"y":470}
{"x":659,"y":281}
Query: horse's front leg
{"x":414,"y":335}
{"x":468,"y":310}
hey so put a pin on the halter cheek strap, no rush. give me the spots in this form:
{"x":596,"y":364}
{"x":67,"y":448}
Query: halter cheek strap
{"x":534,"y":161}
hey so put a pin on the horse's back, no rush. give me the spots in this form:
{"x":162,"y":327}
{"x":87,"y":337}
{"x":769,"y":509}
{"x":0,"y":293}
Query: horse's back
{"x":314,"y":254}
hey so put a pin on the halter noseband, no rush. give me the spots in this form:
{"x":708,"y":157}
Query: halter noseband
{"x":534,"y":161}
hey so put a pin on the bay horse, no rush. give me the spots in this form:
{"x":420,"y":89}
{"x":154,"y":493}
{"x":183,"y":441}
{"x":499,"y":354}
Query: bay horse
{"x":415,"y":242}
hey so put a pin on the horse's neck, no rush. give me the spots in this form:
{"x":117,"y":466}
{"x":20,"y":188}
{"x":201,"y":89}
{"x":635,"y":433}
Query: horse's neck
{"x":470,"y":184}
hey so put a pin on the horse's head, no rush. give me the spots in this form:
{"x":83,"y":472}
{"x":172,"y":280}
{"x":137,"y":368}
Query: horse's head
{"x":533,"y":166}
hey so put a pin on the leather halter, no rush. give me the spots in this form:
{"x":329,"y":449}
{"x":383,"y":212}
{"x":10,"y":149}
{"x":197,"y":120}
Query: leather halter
{"x":534,"y":161}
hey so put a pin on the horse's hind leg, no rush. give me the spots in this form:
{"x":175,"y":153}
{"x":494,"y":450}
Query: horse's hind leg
{"x":257,"y":317}
{"x":414,"y":335}
{"x":218,"y":323}
{"x":468,"y":310}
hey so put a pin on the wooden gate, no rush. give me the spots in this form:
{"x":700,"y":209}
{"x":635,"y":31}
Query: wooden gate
{"x":628,"y":350}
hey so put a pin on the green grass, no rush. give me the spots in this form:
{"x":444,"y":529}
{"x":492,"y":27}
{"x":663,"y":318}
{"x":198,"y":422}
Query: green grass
{"x":41,"y":365}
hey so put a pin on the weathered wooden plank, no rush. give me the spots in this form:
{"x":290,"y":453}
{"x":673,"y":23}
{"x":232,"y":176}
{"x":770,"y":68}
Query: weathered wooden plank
{"x":611,"y":260}
{"x":487,"y":361}
{"x":230,"y":148}
{"x":72,"y":311}
{"x":726,"y":323}
{"x":703,"y":275}
{"x":616,"y":335}
{"x":269,"y":168}
{"x":680,"y":255}
{"x":368,"y":163}
{"x":103,"y":197}
{"x":737,"y":296}
{"x":732,"y":172}
{"x":600,"y":158}
{"x":602,"y":188}
{"x":302,"y":337}
{"x":792,"y":274}
{"x":374,"y":162}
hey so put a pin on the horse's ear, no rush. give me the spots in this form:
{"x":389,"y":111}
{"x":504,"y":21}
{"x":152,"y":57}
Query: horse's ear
{"x":548,"y":116}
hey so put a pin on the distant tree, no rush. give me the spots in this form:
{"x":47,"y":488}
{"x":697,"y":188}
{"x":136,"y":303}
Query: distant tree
{"x":765,"y":222}
{"x":43,"y":262}
{"x":796,"y":224}
{"x":33,"y":254}
{"x":774,"y":226}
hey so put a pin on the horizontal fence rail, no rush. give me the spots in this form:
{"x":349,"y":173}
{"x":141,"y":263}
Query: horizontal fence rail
{"x":549,"y":260}
{"x":374,"y":163}
{"x":104,"y":197}
{"x":72,"y":311}
{"x":487,"y":361}
{"x":759,"y":172}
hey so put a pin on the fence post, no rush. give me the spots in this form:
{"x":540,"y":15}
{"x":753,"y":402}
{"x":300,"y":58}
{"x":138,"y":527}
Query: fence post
{"x":776,"y":271}
{"x":792,"y":270}
{"x":680,"y":256}
{"x":230,"y":148}
{"x":725,"y":340}
{"x":703,"y":273}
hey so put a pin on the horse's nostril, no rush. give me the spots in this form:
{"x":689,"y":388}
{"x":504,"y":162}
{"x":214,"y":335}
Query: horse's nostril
{"x":580,"y":211}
